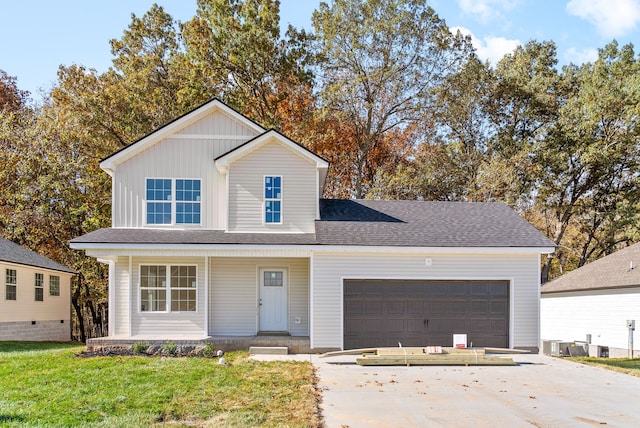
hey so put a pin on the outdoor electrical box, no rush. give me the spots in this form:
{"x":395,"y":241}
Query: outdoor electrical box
{"x":631,"y":324}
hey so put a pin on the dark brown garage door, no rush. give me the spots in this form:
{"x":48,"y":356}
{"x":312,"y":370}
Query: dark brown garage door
{"x":425,"y":313}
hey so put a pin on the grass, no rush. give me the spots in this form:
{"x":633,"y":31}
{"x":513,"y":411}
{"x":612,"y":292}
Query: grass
{"x":46,"y":384}
{"x":622,"y":365}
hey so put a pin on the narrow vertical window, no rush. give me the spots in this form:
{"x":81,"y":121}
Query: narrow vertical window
{"x":39,"y":287}
{"x":188,"y":201}
{"x":158,"y":201}
{"x":153,"y":288}
{"x":183,"y":288}
{"x":273,"y":199}
{"x":54,"y":285}
{"x":11,"y":282}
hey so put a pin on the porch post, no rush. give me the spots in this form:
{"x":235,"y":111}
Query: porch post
{"x":206,"y":296}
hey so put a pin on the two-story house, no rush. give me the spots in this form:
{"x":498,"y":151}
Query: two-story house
{"x":220,"y":233}
{"x":35,"y":301}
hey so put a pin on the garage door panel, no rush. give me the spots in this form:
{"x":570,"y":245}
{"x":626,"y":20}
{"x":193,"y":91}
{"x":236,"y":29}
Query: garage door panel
{"x":421,"y":313}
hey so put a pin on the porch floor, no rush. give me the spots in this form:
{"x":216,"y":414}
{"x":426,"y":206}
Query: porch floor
{"x":295,"y":344}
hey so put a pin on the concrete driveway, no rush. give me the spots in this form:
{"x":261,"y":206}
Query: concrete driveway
{"x":539,"y":392}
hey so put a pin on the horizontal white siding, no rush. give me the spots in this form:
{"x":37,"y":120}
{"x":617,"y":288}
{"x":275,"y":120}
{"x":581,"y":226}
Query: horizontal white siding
{"x":329,"y":269}
{"x":25,"y":307}
{"x":601,"y":313}
{"x":246,"y":190}
{"x":119,"y":326}
{"x":170,"y":325}
{"x":233,"y":294}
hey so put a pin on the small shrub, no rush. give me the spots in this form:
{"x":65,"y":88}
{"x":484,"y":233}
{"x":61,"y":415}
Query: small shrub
{"x":208,"y":351}
{"x":139,"y":348}
{"x":170,"y":348}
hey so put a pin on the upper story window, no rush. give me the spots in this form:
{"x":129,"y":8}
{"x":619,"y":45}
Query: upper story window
{"x":11,"y":282}
{"x":54,"y":285}
{"x":273,"y":199}
{"x":39,"y":287}
{"x":172,"y":201}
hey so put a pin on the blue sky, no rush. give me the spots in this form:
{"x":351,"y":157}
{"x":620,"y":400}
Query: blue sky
{"x":39,"y":35}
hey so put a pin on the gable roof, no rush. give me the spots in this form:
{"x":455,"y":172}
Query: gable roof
{"x":14,"y":253}
{"x":223,"y":161}
{"x":618,"y":270}
{"x":368,"y":223}
{"x":110,"y":162}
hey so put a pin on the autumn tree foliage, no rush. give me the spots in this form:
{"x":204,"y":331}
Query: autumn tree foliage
{"x":399,"y":106}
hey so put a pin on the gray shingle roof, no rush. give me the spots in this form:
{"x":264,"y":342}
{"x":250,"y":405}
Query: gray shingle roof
{"x":14,"y":253}
{"x":425,"y":224}
{"x":368,"y":223}
{"x":618,"y":270}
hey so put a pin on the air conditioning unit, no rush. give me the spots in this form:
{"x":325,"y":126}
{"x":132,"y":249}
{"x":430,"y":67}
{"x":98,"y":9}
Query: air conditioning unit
{"x":556,"y":348}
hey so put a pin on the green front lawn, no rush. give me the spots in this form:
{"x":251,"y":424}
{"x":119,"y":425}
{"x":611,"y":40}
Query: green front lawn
{"x":622,"y":365}
{"x":48,"y":385}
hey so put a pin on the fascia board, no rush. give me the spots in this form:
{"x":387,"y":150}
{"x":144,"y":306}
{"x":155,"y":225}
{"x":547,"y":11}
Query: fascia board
{"x":313,"y":248}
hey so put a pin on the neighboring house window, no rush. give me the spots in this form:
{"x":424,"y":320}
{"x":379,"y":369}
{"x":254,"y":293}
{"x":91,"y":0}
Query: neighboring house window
{"x":164,"y":208}
{"x":181,"y":284}
{"x":158,"y":201}
{"x":39,"y":287}
{"x":11,"y":282}
{"x":273,"y":199}
{"x":54,"y":285}
{"x":188,"y":201}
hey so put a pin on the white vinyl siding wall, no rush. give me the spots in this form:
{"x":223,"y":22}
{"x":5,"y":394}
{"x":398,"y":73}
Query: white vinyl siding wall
{"x":601,"y":313}
{"x":119,"y":326}
{"x":191,"y":158}
{"x":168,"y":325}
{"x":25,"y":307}
{"x":233,"y":294}
{"x":246,"y":190}
{"x":331,"y":268}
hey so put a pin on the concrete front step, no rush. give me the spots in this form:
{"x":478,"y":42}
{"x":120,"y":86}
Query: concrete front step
{"x":268,"y":350}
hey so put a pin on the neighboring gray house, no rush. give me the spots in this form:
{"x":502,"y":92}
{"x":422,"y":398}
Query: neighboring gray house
{"x":220,"y":233}
{"x":595,"y":300}
{"x":35,"y":301}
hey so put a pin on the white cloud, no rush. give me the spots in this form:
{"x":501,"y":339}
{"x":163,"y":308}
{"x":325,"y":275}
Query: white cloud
{"x":490,"y":49}
{"x":486,"y":10}
{"x":612,"y":18}
{"x":581,"y":56}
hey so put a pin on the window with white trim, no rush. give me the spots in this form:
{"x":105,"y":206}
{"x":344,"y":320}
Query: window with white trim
{"x":166,"y":288}
{"x":54,"y":285}
{"x":158,"y":201}
{"x":39,"y":287}
{"x":272,"y":199}
{"x":11,"y":284}
{"x":173,"y":201}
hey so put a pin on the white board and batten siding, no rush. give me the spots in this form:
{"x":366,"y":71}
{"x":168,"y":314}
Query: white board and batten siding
{"x":330,"y":269}
{"x":189,"y":154}
{"x":246,"y":190}
{"x":603,"y":314}
{"x":234,"y":294}
{"x":166,"y":325}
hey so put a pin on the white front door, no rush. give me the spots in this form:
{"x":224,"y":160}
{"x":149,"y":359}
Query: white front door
{"x":273,"y":299}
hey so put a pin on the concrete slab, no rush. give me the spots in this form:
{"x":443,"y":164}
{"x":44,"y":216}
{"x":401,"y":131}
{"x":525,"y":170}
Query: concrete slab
{"x":538,"y":392}
{"x":268,"y":350}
